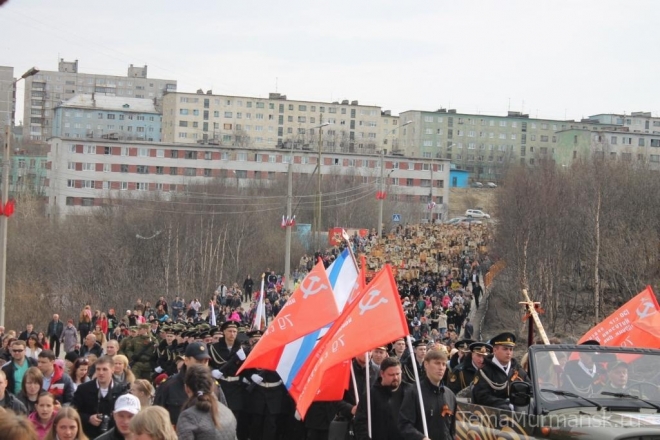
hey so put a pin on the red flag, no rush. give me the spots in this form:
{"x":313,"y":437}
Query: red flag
{"x":618,"y":329}
{"x":310,"y":307}
{"x":9,"y":207}
{"x":283,"y":224}
{"x":375,"y":317}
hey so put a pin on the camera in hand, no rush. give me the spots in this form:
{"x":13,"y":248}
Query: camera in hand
{"x":105,"y":422}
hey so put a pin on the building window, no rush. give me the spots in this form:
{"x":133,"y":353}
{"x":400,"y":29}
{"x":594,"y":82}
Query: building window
{"x":90,"y":149}
{"x":123,"y":186}
{"x":142,"y":169}
{"x":123,"y":168}
{"x":143,"y":152}
{"x":207,"y":172}
{"x":142,"y":186}
{"x":191,"y":171}
{"x":190,"y":154}
{"x":160,"y":170}
{"x":174,"y":171}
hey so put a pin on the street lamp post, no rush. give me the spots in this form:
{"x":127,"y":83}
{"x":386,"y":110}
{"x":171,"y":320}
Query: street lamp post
{"x":318,"y":221}
{"x":5,"y":196}
{"x":381,"y":199}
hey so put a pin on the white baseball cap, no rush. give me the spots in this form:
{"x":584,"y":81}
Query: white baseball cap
{"x":128,"y":403}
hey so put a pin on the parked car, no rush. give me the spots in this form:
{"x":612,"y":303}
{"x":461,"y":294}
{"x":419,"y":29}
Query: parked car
{"x":477,"y":185}
{"x":476,"y":213}
{"x":466,"y":222}
{"x":454,"y":220}
{"x":491,"y":185}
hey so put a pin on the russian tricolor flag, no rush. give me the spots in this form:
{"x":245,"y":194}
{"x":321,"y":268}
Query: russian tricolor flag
{"x":305,"y":318}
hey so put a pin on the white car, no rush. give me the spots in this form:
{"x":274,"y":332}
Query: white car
{"x":476,"y":213}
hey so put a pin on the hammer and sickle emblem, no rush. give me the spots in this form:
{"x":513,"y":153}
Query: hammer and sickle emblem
{"x":370,"y":303}
{"x":309,"y":289}
{"x":649,"y":309}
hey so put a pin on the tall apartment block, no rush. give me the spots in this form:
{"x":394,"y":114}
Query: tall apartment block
{"x":484,"y":145}
{"x":7,"y":96}
{"x":274,"y":122}
{"x":49,"y":89}
{"x":99,"y":116}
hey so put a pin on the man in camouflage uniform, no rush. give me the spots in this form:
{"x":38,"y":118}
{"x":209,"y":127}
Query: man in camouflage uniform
{"x":127,"y":341}
{"x":141,"y":350}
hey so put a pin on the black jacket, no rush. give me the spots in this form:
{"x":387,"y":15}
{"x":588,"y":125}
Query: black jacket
{"x":55,"y":329}
{"x":9,"y":372}
{"x":171,"y":395}
{"x":346,"y":405}
{"x":439,"y":410}
{"x":88,"y":401}
{"x":496,"y":393}
{"x":462,"y":376}
{"x":385,"y":407}
{"x":12,"y":403}
{"x":96,"y":349}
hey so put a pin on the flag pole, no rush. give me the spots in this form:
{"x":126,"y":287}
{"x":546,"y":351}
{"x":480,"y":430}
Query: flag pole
{"x":355,"y":389}
{"x":366,"y":356}
{"x":256,"y":325}
{"x":419,"y":389}
{"x":350,"y":248}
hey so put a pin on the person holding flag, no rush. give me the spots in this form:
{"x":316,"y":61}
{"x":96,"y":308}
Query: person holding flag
{"x":386,"y":399}
{"x":266,"y":398}
{"x":439,"y":403}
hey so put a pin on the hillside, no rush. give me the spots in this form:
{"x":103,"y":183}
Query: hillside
{"x":461,"y":199}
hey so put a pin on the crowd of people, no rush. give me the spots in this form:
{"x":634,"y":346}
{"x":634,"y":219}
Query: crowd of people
{"x":169,"y":370}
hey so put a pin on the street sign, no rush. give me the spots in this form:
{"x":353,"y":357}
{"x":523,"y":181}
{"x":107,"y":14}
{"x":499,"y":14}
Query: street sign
{"x":396,"y":217}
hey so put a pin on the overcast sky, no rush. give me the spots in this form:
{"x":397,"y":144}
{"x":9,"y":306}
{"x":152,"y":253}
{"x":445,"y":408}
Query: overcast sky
{"x":552,"y":59}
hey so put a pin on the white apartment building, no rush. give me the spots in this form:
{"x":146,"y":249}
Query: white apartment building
{"x":84,"y":174}
{"x":7,"y":97}
{"x":636,"y":122}
{"x":273,"y":122}
{"x":48,"y":89}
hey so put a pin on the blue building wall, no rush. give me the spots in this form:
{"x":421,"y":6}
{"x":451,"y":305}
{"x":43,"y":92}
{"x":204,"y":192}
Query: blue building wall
{"x":459,"y":178}
{"x":98,"y":123}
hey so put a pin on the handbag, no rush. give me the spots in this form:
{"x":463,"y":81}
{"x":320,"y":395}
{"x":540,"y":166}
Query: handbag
{"x":341,"y":429}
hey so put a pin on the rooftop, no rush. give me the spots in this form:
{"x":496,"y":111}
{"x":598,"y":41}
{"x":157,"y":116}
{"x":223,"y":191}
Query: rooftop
{"x":108,"y":102}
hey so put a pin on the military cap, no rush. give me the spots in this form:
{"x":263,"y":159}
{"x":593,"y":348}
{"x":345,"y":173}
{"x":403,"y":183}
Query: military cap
{"x":133,"y":328}
{"x":204,"y":326}
{"x":203,"y":334}
{"x":144,"y":326}
{"x":506,"y":339}
{"x":420,"y":343}
{"x":255,"y":334}
{"x":214,"y":331}
{"x":617,"y":364}
{"x":481,"y":348}
{"x":242,"y":329}
{"x":590,"y":342}
{"x":463,"y":345}
{"x":197,"y":350}
{"x":228,"y":324}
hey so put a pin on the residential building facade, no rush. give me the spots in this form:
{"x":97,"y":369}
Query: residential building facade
{"x":92,"y":116}
{"x":84,"y":174}
{"x":611,"y":143}
{"x":49,"y":89}
{"x":484,"y":145}
{"x":273,"y":122}
{"x":7,"y":97}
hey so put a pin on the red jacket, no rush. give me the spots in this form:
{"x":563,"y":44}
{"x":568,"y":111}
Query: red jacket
{"x":61,"y":385}
{"x":104,"y":324}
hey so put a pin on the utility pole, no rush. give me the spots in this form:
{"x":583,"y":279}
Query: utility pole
{"x":289,"y":201}
{"x":6,"y":151}
{"x":381,"y":201}
{"x":319,"y":196}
